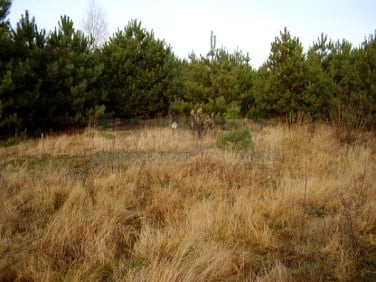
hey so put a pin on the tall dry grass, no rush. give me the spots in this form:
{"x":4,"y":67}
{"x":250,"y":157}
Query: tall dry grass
{"x":157,"y":205}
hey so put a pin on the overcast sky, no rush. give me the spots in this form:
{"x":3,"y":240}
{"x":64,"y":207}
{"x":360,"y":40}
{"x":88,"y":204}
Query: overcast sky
{"x":248,"y":25}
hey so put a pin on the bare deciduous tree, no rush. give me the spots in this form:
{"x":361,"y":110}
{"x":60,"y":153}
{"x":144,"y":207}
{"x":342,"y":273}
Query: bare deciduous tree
{"x":95,"y":24}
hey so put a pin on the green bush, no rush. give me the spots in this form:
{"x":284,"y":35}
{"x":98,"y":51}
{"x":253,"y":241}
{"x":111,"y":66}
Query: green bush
{"x":232,"y":116}
{"x":238,"y":140}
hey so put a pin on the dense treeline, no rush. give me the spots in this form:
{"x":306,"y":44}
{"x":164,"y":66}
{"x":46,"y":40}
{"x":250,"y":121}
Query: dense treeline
{"x":57,"y":80}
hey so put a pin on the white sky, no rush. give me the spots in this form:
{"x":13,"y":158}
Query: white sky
{"x":249,"y":25}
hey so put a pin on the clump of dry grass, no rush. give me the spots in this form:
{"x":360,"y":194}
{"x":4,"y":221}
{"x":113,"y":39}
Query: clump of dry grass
{"x":157,"y":205}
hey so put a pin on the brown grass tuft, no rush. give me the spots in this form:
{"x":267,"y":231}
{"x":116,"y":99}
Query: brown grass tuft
{"x":157,"y":205}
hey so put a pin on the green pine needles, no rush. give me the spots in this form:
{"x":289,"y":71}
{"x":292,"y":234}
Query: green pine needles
{"x":236,"y":139}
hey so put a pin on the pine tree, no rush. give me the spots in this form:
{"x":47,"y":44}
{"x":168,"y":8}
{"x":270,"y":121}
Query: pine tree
{"x":72,"y":72}
{"x":139,"y":73}
{"x":24,"y":74}
{"x":5,"y":55}
{"x":217,"y":80}
{"x":318,"y":94}
{"x":367,"y":70}
{"x":286,"y":77}
{"x":345,"y":78}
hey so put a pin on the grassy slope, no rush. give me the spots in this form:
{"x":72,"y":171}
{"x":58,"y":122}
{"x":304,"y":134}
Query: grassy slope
{"x":152,"y":205}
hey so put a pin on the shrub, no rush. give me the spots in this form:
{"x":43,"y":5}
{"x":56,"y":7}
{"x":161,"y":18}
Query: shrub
{"x":235,"y":139}
{"x":232,"y":116}
{"x":201,"y":122}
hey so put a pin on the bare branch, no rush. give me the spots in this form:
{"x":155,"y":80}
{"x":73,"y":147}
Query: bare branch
{"x":95,"y":24}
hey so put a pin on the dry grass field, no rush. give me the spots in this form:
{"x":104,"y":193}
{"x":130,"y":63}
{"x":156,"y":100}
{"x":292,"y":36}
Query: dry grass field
{"x":157,"y":205}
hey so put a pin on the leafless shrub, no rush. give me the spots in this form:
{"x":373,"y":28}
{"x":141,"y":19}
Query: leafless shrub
{"x":201,"y":122}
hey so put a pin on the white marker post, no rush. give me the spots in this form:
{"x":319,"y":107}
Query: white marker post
{"x":174,"y":125}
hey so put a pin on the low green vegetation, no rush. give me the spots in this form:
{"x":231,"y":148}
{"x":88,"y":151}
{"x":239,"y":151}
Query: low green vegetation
{"x":237,"y":139}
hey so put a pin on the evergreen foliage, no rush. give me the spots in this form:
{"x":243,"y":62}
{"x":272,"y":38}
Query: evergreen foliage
{"x":215,"y":81}
{"x":22,"y":74}
{"x":70,"y":89}
{"x":283,"y":79}
{"x":138,"y":73}
{"x":57,"y":81}
{"x":236,"y":139}
{"x":319,"y":87}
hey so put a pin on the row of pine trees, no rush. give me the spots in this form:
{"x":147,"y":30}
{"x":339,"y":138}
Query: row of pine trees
{"x":57,"y":80}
